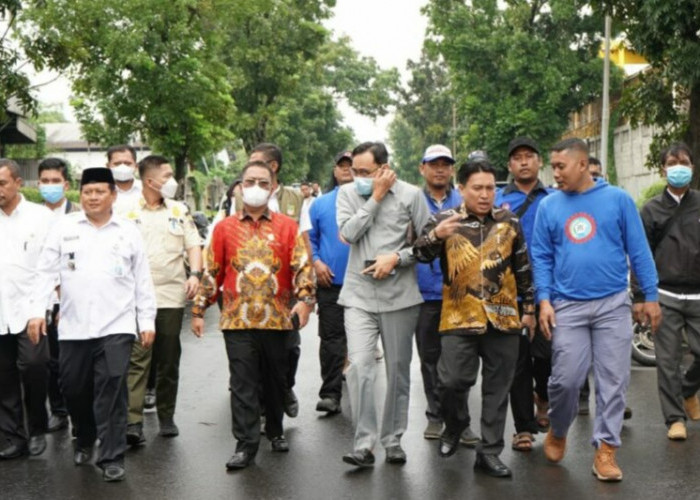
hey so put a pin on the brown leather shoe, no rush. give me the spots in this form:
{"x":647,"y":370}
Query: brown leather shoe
{"x":677,"y":431}
{"x":554,"y":447}
{"x":605,"y":467}
{"x":692,"y":407}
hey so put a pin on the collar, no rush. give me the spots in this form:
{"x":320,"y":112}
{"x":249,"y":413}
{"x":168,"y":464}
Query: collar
{"x":512,"y":187}
{"x":117,"y":221}
{"x":463,"y":209}
{"x":676,"y":197}
{"x":242,"y":215}
{"x":448,"y":192}
{"x":144,"y":206}
{"x":18,"y":209}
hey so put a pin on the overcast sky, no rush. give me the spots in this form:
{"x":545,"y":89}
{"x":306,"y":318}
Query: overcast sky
{"x":391,"y":31}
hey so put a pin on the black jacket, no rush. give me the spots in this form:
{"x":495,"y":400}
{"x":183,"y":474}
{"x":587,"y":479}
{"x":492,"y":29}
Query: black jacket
{"x":677,"y":254}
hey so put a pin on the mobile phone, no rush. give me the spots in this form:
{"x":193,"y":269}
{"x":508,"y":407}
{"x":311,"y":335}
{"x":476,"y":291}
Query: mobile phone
{"x":370,"y":263}
{"x":295,"y":321}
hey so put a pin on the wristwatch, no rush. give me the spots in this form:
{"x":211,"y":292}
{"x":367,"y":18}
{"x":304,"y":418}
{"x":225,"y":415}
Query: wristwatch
{"x":309,"y":301}
{"x":196,"y":274}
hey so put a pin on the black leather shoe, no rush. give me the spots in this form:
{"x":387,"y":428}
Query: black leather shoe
{"x":291,"y":404}
{"x":491,"y":465}
{"x":113,"y":472}
{"x":57,"y":421}
{"x":134,"y":435}
{"x":395,"y":455}
{"x":168,"y":428}
{"x":360,"y":458}
{"x":279,"y":444}
{"x":13,"y":451}
{"x":37,"y":445}
{"x":329,"y":405}
{"x":81,"y":456}
{"x":240,"y":460}
{"x":448,"y":444}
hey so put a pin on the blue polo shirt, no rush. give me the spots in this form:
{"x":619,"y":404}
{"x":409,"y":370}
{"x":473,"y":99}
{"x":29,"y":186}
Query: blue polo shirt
{"x":511,"y":198}
{"x":430,"y":275}
{"x":325,"y":236}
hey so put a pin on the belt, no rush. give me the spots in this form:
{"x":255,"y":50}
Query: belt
{"x":680,"y":296}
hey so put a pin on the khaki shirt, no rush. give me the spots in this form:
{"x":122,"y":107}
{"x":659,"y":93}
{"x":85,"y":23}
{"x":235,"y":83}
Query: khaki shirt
{"x":168,"y":231}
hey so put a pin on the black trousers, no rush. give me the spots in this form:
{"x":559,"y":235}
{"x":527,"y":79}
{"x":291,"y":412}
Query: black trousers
{"x":93,"y":381}
{"x":293,"y":346}
{"x":428,"y":344}
{"x":24,"y":369}
{"x":522,"y":403}
{"x":334,"y":346}
{"x":457,"y":371}
{"x":56,"y":400}
{"x":256,"y":358}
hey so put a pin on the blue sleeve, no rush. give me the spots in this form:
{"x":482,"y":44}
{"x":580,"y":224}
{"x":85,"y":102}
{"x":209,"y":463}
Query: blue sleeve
{"x":498,"y":201}
{"x":314,"y":232}
{"x":542,"y":253}
{"x":638,"y":250}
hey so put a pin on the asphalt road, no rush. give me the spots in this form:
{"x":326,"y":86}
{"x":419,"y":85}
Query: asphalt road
{"x":191,"y":466}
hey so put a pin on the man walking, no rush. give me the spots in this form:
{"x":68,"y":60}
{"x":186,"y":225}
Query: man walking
{"x":436,"y":168}
{"x":261,"y":265}
{"x":330,"y":258}
{"x":380,"y":294}
{"x":54,"y":181}
{"x":23,"y":359}
{"x":121,"y":159}
{"x":522,"y":196}
{"x":169,"y":233}
{"x":673,"y":231}
{"x":106,"y":291}
{"x":485,"y":267}
{"x":584,"y":235}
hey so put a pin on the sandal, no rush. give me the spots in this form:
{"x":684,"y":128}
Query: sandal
{"x":523,"y":441}
{"x":541,"y":417}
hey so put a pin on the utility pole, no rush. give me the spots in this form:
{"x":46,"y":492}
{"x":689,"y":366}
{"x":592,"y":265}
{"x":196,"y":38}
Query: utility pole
{"x":605,"y":125}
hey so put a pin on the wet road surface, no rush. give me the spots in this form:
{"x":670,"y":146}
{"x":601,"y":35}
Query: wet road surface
{"x":192,"y":466}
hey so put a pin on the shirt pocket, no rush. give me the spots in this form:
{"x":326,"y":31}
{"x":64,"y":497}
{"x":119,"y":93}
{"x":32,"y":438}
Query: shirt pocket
{"x":175,"y":238}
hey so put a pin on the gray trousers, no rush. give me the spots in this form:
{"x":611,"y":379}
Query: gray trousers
{"x":598,"y":331}
{"x":363,"y":330}
{"x":673,"y":385}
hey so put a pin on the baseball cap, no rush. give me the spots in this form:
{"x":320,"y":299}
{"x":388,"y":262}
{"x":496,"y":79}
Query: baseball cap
{"x":437,"y":151}
{"x":522,"y":142}
{"x":343,"y":155}
{"x":478,"y":155}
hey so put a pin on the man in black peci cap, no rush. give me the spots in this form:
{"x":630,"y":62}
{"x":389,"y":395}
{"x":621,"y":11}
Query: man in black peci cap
{"x":99,"y":261}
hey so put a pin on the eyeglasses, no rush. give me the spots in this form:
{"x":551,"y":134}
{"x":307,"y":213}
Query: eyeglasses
{"x":263,"y":183}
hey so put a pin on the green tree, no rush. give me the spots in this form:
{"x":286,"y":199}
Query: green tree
{"x":140,"y":67}
{"x":517,"y":67}
{"x":14,"y":83}
{"x":407,"y":146}
{"x":287,"y":71}
{"x":668,"y":94}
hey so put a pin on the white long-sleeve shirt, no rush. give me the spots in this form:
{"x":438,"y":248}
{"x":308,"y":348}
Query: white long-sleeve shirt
{"x":22,"y":236}
{"x":105,"y":280}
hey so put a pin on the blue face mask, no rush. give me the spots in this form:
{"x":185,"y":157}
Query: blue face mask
{"x":364,"y":185}
{"x":51,"y":192}
{"x":679,"y":176}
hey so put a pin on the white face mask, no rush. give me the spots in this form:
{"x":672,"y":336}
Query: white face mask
{"x":169,"y":189}
{"x":255,"y":196}
{"x":123,"y":173}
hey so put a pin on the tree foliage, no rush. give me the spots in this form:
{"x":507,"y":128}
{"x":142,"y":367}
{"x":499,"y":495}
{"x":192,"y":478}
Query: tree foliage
{"x":14,"y":82}
{"x":667,"y":34}
{"x":139,"y":67}
{"x":517,"y":67}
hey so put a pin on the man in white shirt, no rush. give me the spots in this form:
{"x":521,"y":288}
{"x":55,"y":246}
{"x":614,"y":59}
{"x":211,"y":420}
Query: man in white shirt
{"x":100,"y":262}
{"x":121,"y":159}
{"x":54,"y":181}
{"x":23,"y":364}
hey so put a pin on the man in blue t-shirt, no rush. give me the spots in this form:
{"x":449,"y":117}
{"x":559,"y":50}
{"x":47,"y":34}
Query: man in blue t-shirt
{"x":437,"y":169}
{"x":584,"y":236}
{"x":330,"y":258}
{"x":522,"y":197}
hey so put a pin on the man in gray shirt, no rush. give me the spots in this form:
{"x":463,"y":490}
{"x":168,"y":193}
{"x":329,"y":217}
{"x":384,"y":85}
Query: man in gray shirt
{"x":378,"y":216}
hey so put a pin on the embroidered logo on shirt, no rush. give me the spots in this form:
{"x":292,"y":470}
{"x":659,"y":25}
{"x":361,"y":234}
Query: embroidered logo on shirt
{"x":580,"y":228}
